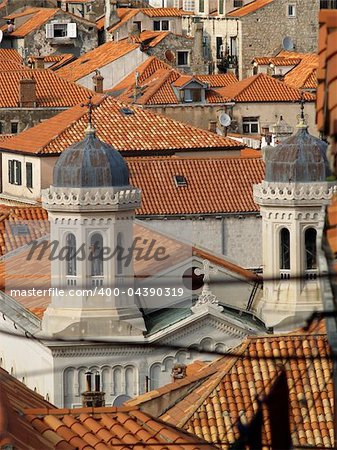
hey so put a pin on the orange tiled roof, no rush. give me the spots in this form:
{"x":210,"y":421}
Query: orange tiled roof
{"x":95,"y":59}
{"x":263,"y":88}
{"x":218,"y":80}
{"x":156,"y":83}
{"x":10,"y":54}
{"x":37,"y":17}
{"x":140,"y":132}
{"x":164,"y":12}
{"x":14,"y":428}
{"x":249,"y":8}
{"x":7,"y":65}
{"x":29,"y":422}
{"x":102,"y":428}
{"x":203,"y":194}
{"x":304,"y":75}
{"x":215,"y":397}
{"x":277,"y":61}
{"x":326,"y":106}
{"x":51,"y":90}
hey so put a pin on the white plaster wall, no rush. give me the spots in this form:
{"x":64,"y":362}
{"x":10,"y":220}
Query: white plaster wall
{"x":21,"y":191}
{"x":114,"y":72}
{"x":28,"y":358}
{"x":268,"y":114}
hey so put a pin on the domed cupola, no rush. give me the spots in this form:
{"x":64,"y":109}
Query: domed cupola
{"x":90,"y":163}
{"x":299,"y":159}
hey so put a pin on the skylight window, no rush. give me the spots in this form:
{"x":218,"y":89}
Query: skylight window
{"x":180,"y":180}
{"x":126,"y":111}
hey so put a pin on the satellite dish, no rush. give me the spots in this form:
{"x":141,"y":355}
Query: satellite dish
{"x":1,"y":35}
{"x":120,"y":399}
{"x":169,"y":55}
{"x":225,"y":120}
{"x":288,"y":43}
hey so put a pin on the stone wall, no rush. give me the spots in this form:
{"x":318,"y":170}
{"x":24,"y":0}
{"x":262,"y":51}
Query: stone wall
{"x":36,"y":43}
{"x":236,"y":237}
{"x":25,"y":117}
{"x":264,"y":30}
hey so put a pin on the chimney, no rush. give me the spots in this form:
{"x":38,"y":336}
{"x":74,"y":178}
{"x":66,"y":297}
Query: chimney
{"x":39,"y":62}
{"x":212,"y":126}
{"x":110,"y":13}
{"x":198,"y":60}
{"x":93,"y":398}
{"x":27,"y":93}
{"x":178,"y":372}
{"x":97,"y":80}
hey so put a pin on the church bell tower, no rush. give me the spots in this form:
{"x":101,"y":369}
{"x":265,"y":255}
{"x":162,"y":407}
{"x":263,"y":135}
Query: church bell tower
{"x":292,"y":200}
{"x":91,"y":207}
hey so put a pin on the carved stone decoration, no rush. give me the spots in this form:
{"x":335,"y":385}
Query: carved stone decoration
{"x":206,"y":297}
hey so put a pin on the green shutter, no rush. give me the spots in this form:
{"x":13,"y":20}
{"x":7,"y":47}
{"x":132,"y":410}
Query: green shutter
{"x":29,"y":175}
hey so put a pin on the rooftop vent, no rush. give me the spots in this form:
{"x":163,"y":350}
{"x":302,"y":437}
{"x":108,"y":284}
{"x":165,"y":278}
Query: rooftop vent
{"x":180,"y":180}
{"x":126,"y":111}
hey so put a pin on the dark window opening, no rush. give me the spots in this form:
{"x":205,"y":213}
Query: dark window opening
{"x":285,"y":249}
{"x":192,"y":281}
{"x":14,"y":127}
{"x":14,"y":172}
{"x":310,"y":238}
{"x":165,"y":25}
{"x":71,"y":255}
{"x":96,"y":255}
{"x":60,"y":30}
{"x":156,"y":25}
{"x":29,"y":175}
{"x":219,"y":47}
{"x":180,"y":180}
{"x":182,"y":58}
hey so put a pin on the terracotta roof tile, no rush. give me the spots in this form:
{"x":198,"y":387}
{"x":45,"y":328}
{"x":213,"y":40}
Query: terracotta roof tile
{"x":123,"y":427}
{"x":138,"y":132}
{"x":249,"y":8}
{"x":156,"y":179}
{"x":51,"y":90}
{"x":95,"y":59}
{"x":157,"y":82}
{"x":304,"y":75}
{"x":230,"y":391}
{"x":10,"y":54}
{"x":9,"y":65}
{"x":124,"y":14}
{"x":263,"y":88}
{"x":164,"y":12}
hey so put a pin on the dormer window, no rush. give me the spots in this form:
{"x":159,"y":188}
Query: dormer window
{"x":192,"y":95}
{"x":180,"y":180}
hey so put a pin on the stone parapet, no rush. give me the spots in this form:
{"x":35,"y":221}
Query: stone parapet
{"x":112,"y":199}
{"x":278,"y":192}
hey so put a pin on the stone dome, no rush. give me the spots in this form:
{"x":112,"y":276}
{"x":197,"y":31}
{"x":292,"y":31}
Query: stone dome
{"x":301,"y":158}
{"x":90,"y":163}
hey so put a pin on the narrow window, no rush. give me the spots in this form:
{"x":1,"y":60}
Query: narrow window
{"x":310,"y":238}
{"x":291,"y":11}
{"x":71,"y":255}
{"x":96,"y":243}
{"x":11,"y":171}
{"x":221,"y":9}
{"x":285,"y":249}
{"x":155,"y":376}
{"x":1,"y":127}
{"x":119,"y":254}
{"x":156,"y":25}
{"x":29,"y":175}
{"x":14,"y":127}
{"x":201,"y":6}
{"x":165,"y":25}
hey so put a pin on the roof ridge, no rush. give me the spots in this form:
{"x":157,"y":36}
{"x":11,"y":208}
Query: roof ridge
{"x":161,"y":82}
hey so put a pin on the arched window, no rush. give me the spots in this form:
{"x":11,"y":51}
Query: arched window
{"x":119,"y":254}
{"x":285,"y":249}
{"x":117,"y":381}
{"x":96,"y":247}
{"x":155,"y":372}
{"x":310,"y":238}
{"x":129,"y":381}
{"x":71,"y":255}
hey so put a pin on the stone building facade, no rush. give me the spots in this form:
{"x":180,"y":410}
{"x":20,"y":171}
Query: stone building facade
{"x":79,"y":36}
{"x":281,"y":24}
